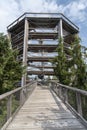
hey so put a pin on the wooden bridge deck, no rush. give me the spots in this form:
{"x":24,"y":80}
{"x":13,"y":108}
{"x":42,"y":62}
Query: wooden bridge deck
{"x":44,"y":111}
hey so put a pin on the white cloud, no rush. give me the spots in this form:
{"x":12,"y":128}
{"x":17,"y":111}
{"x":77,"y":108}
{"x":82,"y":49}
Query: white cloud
{"x":12,"y":9}
{"x":31,"y":5}
{"x":39,"y":5}
{"x":76,"y":10}
{"x":8,"y":13}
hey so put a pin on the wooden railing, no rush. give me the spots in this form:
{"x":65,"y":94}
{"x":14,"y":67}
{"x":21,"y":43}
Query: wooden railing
{"x":75,"y":99}
{"x":12,"y":101}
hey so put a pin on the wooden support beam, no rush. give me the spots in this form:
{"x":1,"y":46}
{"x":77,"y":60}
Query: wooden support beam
{"x":60,"y":29}
{"x":31,"y":72}
{"x":9,"y":38}
{"x":26,"y":28}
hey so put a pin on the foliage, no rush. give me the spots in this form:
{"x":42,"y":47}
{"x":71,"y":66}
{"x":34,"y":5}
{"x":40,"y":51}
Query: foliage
{"x":11,"y":70}
{"x":3,"y":109}
{"x":78,"y":65}
{"x":71,"y":71}
{"x":61,"y":65}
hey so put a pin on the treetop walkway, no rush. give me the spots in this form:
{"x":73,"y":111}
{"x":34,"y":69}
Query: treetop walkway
{"x":46,"y":108}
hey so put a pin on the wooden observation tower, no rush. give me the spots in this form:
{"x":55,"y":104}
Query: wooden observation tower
{"x":36,"y":36}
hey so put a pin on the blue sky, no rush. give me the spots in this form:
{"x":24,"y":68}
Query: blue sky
{"x":75,"y":10}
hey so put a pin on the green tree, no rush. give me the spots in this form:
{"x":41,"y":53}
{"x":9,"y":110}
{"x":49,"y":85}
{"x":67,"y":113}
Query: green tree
{"x":71,"y":71}
{"x":79,"y":67}
{"x":11,"y":70}
{"x":61,"y":65}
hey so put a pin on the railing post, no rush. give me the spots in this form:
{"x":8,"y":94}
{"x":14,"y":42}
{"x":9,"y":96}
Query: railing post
{"x":21,"y":97}
{"x":9,"y":107}
{"x":60,"y":91}
{"x":57,"y":89}
{"x":79,"y":103}
{"x":66,"y":95}
{"x":26,"y":91}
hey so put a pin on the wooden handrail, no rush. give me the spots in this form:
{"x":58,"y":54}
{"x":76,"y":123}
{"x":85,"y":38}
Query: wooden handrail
{"x":14,"y":91}
{"x":83,"y":92}
{"x":22,"y":95}
{"x":3,"y":96}
{"x":63,"y":92}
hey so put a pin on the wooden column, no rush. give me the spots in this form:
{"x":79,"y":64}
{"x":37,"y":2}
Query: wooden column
{"x":26,"y":26}
{"x":9,"y":38}
{"x":60,"y":29}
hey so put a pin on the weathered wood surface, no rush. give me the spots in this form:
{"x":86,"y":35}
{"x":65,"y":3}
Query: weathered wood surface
{"x":44,"y":111}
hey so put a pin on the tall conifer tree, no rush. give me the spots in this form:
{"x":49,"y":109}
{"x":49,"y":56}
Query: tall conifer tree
{"x":79,"y":67}
{"x":60,"y":64}
{"x":71,"y":71}
{"x":11,"y":70}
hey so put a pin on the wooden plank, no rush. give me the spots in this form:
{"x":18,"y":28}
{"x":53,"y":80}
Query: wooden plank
{"x":9,"y":107}
{"x":79,"y":103}
{"x":44,"y":111}
{"x":40,"y":72}
{"x":48,"y":129}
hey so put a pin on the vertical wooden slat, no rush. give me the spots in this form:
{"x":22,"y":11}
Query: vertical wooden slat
{"x":21,"y":97}
{"x":57,"y":89}
{"x":79,"y":103}
{"x":26,"y":92}
{"x":9,"y":107}
{"x":66,"y":95}
{"x":60,"y":92}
